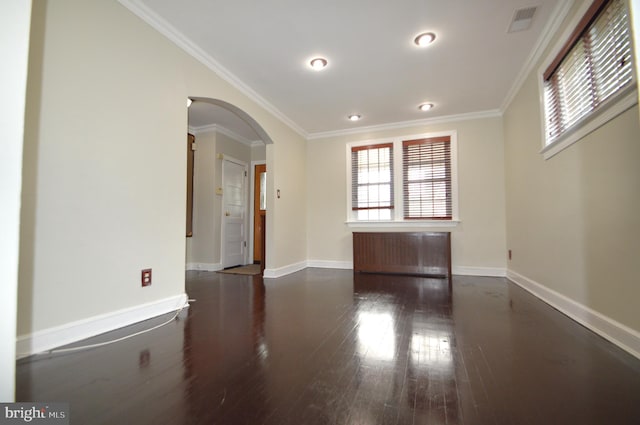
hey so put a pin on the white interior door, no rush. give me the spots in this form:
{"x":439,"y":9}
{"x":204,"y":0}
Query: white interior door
{"x":234,"y":213}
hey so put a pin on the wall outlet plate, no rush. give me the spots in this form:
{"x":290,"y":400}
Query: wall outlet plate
{"x":146,"y":277}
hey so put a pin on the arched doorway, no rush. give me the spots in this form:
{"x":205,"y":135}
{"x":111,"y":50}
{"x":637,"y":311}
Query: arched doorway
{"x":224,"y":135}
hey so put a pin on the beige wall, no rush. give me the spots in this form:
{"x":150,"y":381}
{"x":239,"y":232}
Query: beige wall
{"x":258,"y":153}
{"x":479,"y":240}
{"x":105,"y":166}
{"x":572,"y":220}
{"x":286,"y":216}
{"x":202,"y":247}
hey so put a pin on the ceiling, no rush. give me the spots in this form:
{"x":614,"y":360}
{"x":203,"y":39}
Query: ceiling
{"x":374,"y":68}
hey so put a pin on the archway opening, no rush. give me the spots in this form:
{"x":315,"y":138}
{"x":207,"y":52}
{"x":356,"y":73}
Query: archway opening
{"x":225,"y":134}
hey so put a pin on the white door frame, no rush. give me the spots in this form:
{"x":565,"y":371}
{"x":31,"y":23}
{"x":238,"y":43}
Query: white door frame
{"x":223,"y":253}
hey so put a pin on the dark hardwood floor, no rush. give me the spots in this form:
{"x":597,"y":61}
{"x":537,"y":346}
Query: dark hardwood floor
{"x":330,"y":347}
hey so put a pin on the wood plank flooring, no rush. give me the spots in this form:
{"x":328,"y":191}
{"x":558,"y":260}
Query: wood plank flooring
{"x":330,"y":347}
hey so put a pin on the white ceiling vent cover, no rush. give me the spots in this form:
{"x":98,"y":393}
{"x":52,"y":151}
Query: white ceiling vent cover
{"x":522,"y":19}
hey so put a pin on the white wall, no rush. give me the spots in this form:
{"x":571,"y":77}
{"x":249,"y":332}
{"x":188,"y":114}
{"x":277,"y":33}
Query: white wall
{"x":572,"y":220}
{"x":15,"y":19}
{"x":105,"y":168}
{"x":478,"y":243}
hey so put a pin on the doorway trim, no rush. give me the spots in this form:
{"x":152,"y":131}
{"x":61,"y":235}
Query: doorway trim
{"x":252,"y":193}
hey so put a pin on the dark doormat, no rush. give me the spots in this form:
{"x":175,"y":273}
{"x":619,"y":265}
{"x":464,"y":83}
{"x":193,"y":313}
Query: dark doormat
{"x":248,"y":270}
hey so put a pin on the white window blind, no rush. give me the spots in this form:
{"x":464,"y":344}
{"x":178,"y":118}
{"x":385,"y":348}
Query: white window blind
{"x":592,"y":67}
{"x":427,"y":178}
{"x":372,"y":181}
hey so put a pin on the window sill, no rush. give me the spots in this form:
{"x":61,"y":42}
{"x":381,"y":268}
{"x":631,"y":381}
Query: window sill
{"x":626,"y":100}
{"x":406,"y":224}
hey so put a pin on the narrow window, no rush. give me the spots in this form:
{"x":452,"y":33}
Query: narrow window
{"x":591,"y":68}
{"x":372,"y":181}
{"x":427,"y":178}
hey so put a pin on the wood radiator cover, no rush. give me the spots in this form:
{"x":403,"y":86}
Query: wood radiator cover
{"x":419,"y":253}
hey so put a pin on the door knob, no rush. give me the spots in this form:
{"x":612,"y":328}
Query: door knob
{"x":227,"y":213}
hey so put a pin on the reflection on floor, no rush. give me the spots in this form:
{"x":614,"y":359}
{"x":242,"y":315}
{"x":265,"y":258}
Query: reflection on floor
{"x":330,"y":347}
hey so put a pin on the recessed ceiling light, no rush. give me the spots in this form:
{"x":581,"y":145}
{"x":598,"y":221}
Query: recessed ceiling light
{"x":425,"y":106}
{"x":424,"y":39}
{"x":355,"y":117}
{"x":318,"y":63}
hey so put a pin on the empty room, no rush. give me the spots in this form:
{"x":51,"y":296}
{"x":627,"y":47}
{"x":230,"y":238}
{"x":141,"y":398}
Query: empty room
{"x":333,"y":212}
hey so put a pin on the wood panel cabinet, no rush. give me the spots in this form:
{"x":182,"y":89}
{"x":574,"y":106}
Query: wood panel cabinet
{"x":417,"y":253}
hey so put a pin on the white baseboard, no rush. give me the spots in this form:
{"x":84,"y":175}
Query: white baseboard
{"x":58,"y":336}
{"x":479,"y":271}
{"x":283,"y":271}
{"x":624,"y":337}
{"x":209,"y":267}
{"x":348,"y":265}
{"x":328,"y":264}
{"x":459,"y":270}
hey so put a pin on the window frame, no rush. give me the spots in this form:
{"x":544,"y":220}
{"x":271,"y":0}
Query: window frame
{"x":437,"y":155}
{"x":617,"y":104}
{"x":391,"y":183}
{"x":397,"y":215}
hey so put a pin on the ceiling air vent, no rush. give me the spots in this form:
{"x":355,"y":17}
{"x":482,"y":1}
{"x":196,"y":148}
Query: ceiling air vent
{"x":522,"y":19}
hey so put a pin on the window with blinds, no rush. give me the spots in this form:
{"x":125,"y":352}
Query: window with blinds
{"x":591,"y":69}
{"x":372,"y":181}
{"x":426,"y":165}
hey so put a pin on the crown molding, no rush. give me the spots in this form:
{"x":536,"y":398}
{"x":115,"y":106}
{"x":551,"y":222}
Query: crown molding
{"x":163,"y":27}
{"x":548,"y":33}
{"x":229,"y":133}
{"x":493,"y":113}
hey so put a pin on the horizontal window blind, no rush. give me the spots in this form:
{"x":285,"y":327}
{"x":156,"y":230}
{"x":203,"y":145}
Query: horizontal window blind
{"x":372,"y":179}
{"x":427,"y":178}
{"x":589,"y":71}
